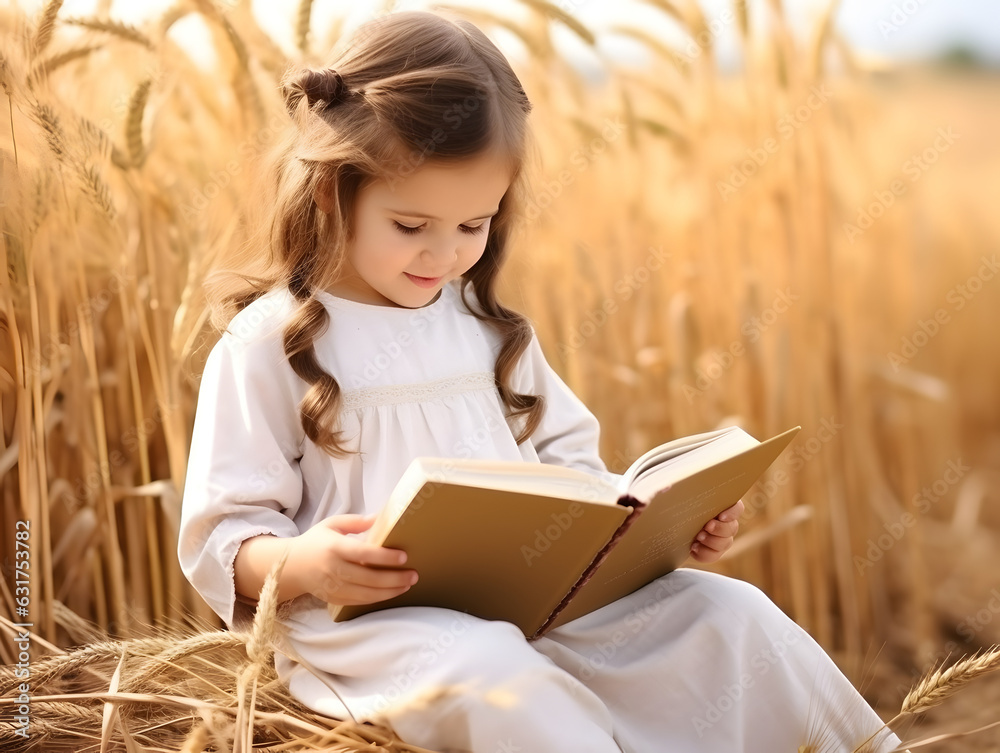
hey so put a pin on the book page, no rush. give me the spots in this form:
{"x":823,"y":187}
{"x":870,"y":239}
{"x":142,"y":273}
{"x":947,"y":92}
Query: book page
{"x":664,"y":452}
{"x":706,"y":454}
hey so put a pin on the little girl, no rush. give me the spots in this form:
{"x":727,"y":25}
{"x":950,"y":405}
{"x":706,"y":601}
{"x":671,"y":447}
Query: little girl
{"x":377,"y":337}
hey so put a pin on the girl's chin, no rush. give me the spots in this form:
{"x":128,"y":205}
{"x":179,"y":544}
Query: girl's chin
{"x":411,"y":298}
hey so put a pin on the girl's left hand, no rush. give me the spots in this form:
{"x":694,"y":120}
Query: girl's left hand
{"x":717,"y":535}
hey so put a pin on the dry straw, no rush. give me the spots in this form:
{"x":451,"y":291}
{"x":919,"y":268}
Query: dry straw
{"x":178,"y":693}
{"x":133,"y":124}
{"x":303,"y":19}
{"x":46,"y":26}
{"x":115,"y":28}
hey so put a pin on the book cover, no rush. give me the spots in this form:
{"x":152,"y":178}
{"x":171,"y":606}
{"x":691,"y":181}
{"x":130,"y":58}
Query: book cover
{"x":551,"y":544}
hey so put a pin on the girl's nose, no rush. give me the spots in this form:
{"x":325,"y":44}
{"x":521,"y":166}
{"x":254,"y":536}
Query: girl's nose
{"x":442,"y":252}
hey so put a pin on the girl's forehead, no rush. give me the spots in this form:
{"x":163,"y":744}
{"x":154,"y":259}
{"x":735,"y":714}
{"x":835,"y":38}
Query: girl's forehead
{"x":450,"y":187}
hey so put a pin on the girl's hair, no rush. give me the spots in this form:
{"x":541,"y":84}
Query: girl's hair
{"x":410,"y":88}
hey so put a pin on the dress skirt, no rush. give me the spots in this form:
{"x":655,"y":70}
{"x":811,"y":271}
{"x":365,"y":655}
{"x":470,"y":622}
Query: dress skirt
{"x":694,"y":661}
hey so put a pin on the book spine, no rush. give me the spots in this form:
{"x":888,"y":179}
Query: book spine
{"x":625,"y":501}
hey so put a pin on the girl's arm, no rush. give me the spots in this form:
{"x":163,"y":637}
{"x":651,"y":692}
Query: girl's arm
{"x":244,"y":487}
{"x":568,"y":434}
{"x":243,"y":477}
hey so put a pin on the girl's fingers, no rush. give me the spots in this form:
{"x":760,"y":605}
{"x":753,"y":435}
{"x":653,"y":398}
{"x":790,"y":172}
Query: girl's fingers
{"x":715,"y":543}
{"x":361,"y":553}
{"x":348,"y":523}
{"x":703,"y":554}
{"x":363,"y":595}
{"x":349,"y":574}
{"x":732,"y":513}
{"x":722,"y":529}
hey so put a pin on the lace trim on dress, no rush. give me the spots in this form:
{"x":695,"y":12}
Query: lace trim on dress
{"x":396,"y":394}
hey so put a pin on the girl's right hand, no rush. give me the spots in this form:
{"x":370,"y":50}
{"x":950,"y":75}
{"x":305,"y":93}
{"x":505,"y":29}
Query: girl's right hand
{"x":342,"y":569}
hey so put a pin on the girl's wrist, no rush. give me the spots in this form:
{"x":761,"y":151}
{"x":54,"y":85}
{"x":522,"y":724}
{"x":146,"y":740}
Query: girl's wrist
{"x":254,"y":561}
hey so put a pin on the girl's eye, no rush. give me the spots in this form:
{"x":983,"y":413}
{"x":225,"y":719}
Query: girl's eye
{"x":406,"y":228}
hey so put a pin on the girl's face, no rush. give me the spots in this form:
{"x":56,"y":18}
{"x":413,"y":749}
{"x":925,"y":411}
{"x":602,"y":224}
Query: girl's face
{"x":414,"y":234}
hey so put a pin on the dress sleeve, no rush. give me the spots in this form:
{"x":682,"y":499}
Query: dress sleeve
{"x":569,"y":433}
{"x":243,"y":476}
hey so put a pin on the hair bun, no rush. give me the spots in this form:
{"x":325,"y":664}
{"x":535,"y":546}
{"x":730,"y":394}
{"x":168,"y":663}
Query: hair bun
{"x":326,"y":86}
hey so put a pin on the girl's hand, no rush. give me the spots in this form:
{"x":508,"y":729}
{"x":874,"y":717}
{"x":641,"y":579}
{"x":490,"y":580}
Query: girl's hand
{"x":326,"y":562}
{"x":717,"y":535}
{"x":342,"y":569}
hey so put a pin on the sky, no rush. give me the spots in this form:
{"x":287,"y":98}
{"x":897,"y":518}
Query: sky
{"x":880,"y":30}
{"x":900,"y":30}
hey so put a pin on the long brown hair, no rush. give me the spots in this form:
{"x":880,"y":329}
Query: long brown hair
{"x":410,"y":88}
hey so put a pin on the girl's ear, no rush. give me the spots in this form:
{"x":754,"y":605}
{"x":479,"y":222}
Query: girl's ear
{"x":324,"y":197}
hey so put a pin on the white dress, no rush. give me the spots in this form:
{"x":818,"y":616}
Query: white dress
{"x":694,"y":661}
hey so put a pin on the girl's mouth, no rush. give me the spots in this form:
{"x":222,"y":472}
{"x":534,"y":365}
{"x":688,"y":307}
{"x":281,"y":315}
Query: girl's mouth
{"x":423,"y":282}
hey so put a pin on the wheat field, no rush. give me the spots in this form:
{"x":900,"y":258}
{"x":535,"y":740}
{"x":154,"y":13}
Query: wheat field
{"x":811,"y":240}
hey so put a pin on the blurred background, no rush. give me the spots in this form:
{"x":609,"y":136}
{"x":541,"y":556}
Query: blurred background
{"x":763,"y":213}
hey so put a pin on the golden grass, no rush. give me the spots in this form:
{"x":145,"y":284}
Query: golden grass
{"x":46,"y":25}
{"x":934,"y":687}
{"x":110,"y":26}
{"x":122,"y":177}
{"x":944,"y":682}
{"x":177,"y":693}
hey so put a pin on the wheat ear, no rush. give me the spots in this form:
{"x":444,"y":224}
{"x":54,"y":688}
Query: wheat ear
{"x":939,"y":684}
{"x":133,"y":125}
{"x":46,"y":25}
{"x":116,"y":28}
{"x":933,"y":688}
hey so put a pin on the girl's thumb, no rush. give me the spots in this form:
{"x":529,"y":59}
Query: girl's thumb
{"x":349,"y":523}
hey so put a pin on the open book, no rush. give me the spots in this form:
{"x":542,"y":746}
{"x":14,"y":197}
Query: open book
{"x":539,"y":545}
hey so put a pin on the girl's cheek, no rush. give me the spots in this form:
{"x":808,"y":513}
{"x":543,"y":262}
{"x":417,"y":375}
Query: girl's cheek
{"x":392,"y":245}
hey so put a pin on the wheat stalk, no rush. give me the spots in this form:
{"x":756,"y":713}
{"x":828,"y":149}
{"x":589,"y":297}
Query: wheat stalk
{"x":935,"y":739}
{"x":5,"y":75}
{"x":95,"y":137}
{"x":171,"y":16}
{"x":46,"y":117}
{"x":669,"y":8}
{"x":302,"y":23}
{"x":133,"y":124}
{"x":116,"y":28}
{"x":50,"y":64}
{"x":941,"y":683}
{"x":821,"y":39}
{"x":553,"y":12}
{"x":239,"y":46}
{"x":97,"y":190}
{"x":46,"y":26}
{"x":742,"y":17}
{"x":657,"y":45}
{"x":489,"y":19}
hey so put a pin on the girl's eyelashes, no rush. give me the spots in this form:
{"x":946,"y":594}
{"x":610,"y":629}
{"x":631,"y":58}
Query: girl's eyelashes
{"x":408,"y":230}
